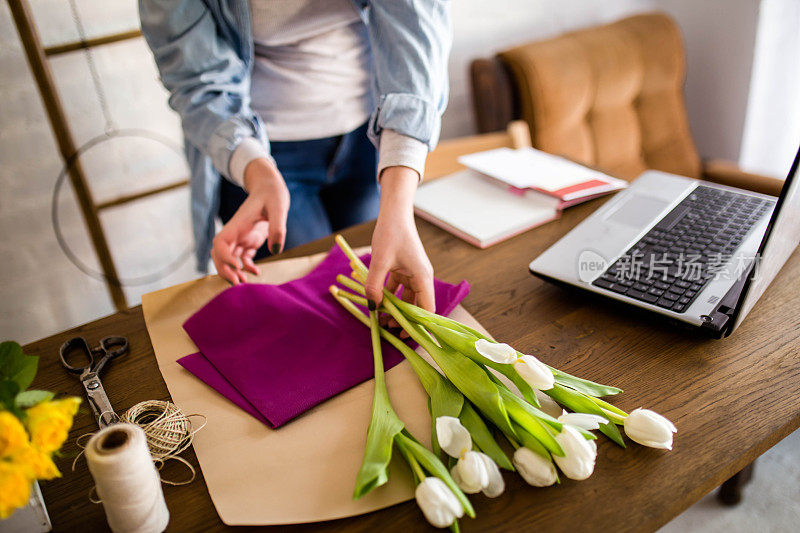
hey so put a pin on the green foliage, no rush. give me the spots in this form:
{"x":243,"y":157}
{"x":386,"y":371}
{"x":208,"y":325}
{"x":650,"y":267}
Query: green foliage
{"x":32,"y":397}
{"x":16,"y":366}
{"x":17,"y":371}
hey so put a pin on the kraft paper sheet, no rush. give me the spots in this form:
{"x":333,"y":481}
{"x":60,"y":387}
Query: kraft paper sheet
{"x":304,"y":471}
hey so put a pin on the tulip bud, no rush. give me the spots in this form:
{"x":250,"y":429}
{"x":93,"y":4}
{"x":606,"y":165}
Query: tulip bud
{"x":649,"y":428}
{"x":470,"y":473}
{"x":496,"y":484}
{"x":579,"y":455}
{"x":534,"y":372}
{"x":582,"y":420}
{"x":536,"y":470}
{"x":453,"y":437}
{"x":437,"y":502}
{"x":496,"y":351}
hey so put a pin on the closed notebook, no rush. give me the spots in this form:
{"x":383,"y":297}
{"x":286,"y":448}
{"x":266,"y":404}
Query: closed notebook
{"x":480,"y":210}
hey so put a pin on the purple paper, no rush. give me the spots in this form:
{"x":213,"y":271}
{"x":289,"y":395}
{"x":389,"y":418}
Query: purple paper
{"x":276,"y":351}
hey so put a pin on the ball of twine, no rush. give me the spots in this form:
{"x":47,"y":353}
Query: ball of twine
{"x":168,"y":430}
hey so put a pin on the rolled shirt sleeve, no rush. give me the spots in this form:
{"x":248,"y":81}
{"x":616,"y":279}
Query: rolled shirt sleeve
{"x":248,"y":150}
{"x":401,"y":150}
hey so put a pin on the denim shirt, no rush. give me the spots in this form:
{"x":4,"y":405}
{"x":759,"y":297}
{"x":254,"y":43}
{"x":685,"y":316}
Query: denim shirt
{"x":204,"y":53}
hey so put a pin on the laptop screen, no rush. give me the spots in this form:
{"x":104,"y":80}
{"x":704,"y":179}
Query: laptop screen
{"x":780,"y":240}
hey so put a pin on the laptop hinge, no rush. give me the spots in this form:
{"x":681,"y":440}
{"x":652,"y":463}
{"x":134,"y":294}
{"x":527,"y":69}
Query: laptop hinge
{"x":722,"y":315}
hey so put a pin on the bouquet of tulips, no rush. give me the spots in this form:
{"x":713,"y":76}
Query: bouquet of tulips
{"x":471,"y":402}
{"x":33,"y":427}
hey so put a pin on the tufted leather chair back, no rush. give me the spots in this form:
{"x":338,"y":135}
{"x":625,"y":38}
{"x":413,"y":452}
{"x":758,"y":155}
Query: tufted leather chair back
{"x":609,"y":96}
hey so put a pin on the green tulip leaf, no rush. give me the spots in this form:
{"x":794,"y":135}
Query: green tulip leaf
{"x":531,"y":442}
{"x":482,"y":437}
{"x":585,"y":386}
{"x":384,"y":425}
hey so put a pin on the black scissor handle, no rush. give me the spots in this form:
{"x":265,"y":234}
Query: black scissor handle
{"x":78,"y":344}
{"x":114,"y":346}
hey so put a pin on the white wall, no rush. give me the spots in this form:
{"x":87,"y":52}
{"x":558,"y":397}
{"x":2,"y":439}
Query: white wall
{"x":772,"y":125}
{"x":720,"y":38}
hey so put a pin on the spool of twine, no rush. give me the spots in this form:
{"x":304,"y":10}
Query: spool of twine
{"x":126,"y":480}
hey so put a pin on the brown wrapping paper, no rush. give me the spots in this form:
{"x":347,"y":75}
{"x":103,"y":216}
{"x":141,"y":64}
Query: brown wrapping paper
{"x":304,"y":471}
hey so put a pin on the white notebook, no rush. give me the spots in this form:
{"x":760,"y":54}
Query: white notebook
{"x":481,"y":210}
{"x":547,"y":173}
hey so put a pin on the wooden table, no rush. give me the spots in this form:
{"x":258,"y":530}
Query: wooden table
{"x":731,"y":399}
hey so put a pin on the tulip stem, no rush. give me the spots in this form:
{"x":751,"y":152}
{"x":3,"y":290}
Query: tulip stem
{"x":355,"y":262}
{"x":351,"y":284}
{"x":380,"y":378}
{"x":614,"y":417}
{"x":360,"y":300}
{"x":412,"y":461}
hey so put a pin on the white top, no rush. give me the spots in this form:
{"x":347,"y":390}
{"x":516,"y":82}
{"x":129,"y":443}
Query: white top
{"x":312,"y":79}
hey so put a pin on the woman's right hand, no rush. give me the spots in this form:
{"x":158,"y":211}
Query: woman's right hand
{"x":262,"y":216}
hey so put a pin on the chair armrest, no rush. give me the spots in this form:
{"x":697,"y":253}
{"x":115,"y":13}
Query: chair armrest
{"x":727,"y":173}
{"x":492,"y":94}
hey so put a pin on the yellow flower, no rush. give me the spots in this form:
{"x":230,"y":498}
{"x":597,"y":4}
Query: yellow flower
{"x":12,"y":435}
{"x":38,"y":464}
{"x":48,"y":423}
{"x":15,"y":488}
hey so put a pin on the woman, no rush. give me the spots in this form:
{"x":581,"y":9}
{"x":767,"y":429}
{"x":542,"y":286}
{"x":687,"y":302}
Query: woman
{"x":307,"y":74}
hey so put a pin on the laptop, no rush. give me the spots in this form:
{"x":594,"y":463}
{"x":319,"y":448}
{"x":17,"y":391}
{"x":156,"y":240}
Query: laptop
{"x":697,"y":253}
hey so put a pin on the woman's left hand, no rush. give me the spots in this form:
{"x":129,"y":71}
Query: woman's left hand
{"x":396,"y":247}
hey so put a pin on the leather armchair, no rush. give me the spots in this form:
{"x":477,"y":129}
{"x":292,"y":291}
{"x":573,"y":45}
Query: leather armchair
{"x":610,"y":97}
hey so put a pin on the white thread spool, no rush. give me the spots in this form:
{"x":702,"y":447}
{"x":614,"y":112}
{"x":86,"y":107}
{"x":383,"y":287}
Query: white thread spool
{"x":126,"y":479}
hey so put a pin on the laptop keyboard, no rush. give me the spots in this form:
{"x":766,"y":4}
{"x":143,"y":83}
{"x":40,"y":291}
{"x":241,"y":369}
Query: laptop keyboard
{"x":672,"y":263}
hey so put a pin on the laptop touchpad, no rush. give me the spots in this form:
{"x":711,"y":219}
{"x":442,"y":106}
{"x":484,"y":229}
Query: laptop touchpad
{"x":637,"y":211}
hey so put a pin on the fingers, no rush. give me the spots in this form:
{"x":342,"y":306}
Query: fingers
{"x":229,"y":274}
{"x":223,"y":248}
{"x":375,"y":280}
{"x":393,"y":283}
{"x":422,"y":285}
{"x":247,"y":261}
{"x":277,"y":207}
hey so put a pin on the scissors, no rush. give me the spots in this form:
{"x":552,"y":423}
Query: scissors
{"x":110,"y":348}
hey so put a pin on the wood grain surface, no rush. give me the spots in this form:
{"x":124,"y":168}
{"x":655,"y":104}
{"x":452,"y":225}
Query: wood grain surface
{"x":731,"y":399}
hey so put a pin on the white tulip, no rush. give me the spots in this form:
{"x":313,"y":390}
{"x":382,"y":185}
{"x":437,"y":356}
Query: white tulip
{"x":470,"y":473}
{"x":649,"y":428}
{"x":496,"y":351}
{"x":453,"y":437}
{"x":496,"y":484}
{"x":548,"y":405}
{"x":534,"y":372}
{"x":534,"y":469}
{"x":579,"y":455}
{"x":476,"y":472}
{"x":582,"y":420}
{"x":437,"y":502}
